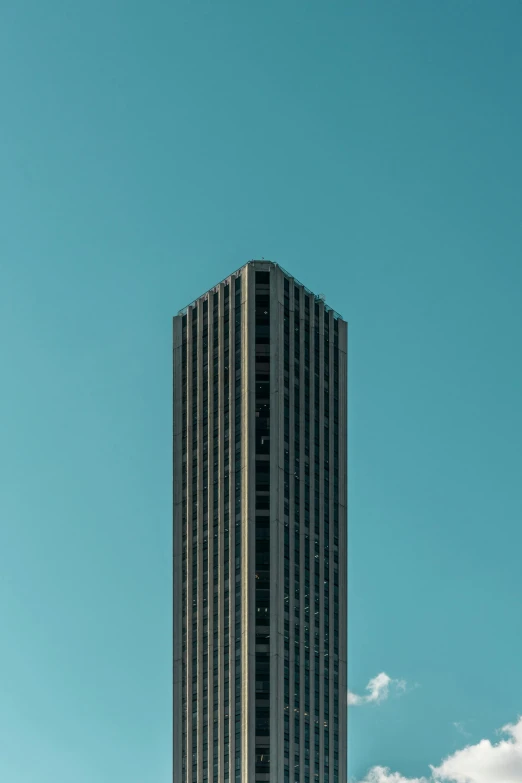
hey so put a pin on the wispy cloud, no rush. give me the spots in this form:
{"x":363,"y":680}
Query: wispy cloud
{"x":459,"y":726}
{"x":378,"y":690}
{"x":484,"y":762}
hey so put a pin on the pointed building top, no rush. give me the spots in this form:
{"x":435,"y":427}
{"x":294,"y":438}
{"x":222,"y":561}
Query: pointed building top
{"x":268,"y":263}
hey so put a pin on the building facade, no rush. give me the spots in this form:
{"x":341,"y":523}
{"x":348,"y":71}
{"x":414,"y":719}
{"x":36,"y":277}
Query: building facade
{"x":260,"y":534}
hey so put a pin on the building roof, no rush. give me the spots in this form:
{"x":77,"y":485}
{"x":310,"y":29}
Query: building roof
{"x":257,"y":261}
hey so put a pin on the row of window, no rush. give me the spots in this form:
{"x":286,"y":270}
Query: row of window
{"x":200,"y":587}
{"x":262,"y":543}
{"x":307,"y":582}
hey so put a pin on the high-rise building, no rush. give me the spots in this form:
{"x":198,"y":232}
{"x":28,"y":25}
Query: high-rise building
{"x":260,"y":548}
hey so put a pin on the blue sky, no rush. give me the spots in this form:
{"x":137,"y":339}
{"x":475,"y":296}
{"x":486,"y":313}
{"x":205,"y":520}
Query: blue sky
{"x":146,"y":151}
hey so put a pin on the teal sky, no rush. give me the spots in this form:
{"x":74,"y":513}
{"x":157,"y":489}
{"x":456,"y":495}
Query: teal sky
{"x":147,"y":150}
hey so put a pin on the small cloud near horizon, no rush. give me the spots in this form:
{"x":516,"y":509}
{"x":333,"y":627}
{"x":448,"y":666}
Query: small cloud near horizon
{"x":378,"y":690}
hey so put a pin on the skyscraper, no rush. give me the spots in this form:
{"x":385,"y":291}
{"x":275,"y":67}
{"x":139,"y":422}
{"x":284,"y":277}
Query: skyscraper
{"x":260,"y":548}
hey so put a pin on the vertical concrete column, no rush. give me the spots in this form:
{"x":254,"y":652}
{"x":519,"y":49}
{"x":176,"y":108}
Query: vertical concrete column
{"x":319,"y":620}
{"x":276,"y":526}
{"x":198,"y":778}
{"x":232,"y":526}
{"x":248,"y":539}
{"x":212,"y":416}
{"x":343,"y":530}
{"x":188,"y":671}
{"x":291,"y":527}
{"x":310,"y":543}
{"x":221,"y":578}
{"x":177,"y":548}
{"x":328,"y":646}
{"x":301,"y":537}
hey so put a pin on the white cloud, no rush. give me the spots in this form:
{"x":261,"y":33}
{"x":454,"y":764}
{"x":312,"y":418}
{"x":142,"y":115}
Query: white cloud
{"x":378,"y":690}
{"x":384,"y":775}
{"x":484,"y":762}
